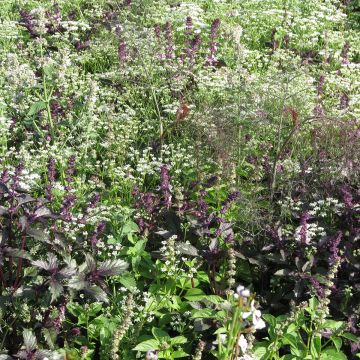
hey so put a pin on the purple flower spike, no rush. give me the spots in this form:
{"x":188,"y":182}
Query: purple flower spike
{"x":51,"y":178}
{"x":70,"y":172}
{"x":212,"y":60}
{"x":334,"y":248}
{"x":98,"y":232}
{"x":66,"y":207}
{"x":169,"y":51}
{"x":166,"y":186}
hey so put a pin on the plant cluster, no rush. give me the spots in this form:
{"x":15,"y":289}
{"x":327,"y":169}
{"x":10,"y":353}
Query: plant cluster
{"x":179,"y":179}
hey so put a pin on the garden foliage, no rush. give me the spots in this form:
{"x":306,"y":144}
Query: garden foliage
{"x":179,"y":179}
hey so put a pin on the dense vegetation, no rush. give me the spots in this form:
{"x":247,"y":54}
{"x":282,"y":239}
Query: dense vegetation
{"x":180,"y":179}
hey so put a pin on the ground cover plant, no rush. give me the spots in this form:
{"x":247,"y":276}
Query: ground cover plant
{"x":179,"y":179}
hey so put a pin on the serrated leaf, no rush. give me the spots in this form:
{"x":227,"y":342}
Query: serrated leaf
{"x":50,"y":337}
{"x":56,"y":289}
{"x":36,"y":107}
{"x":29,"y":340}
{"x":112,"y":267}
{"x":128,"y":280}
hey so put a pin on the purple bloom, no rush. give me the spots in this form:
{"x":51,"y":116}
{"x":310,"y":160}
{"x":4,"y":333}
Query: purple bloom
{"x":157,"y":30}
{"x":334,"y":248}
{"x":318,"y":110}
{"x":317,"y":287}
{"x":212,"y":60}
{"x":345,"y":53}
{"x":122,"y":45}
{"x":51,"y":178}
{"x":347,"y":196}
{"x":16,"y":177}
{"x":98,"y":232}
{"x":165,"y":186}
{"x":68,"y":203}
{"x":344,"y":101}
{"x":170,"y":50}
{"x":210,"y":182}
{"x":303,"y":233}
{"x":70,"y":172}
{"x":320,"y":86}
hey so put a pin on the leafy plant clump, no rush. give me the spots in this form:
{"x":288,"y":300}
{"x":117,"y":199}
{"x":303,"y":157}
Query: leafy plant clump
{"x":179,"y":179}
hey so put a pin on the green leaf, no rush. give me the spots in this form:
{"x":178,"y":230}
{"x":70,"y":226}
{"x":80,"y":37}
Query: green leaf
{"x":291,"y":328}
{"x":350,"y":336}
{"x":50,"y":337}
{"x":337,"y":342}
{"x":179,"y":340}
{"x":194,"y":295}
{"x":159,"y":333}
{"x":332,"y":354}
{"x":203,"y":313}
{"x":315,"y":347}
{"x":151,"y":344}
{"x":260,"y":352}
{"x":179,"y":354}
{"x":332,"y":325}
{"x":128,"y":280}
{"x":270,"y":319}
{"x":36,"y":107}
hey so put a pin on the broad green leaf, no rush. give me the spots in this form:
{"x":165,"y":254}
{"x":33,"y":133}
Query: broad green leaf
{"x":179,"y":354}
{"x":179,"y":340}
{"x":203,"y":313}
{"x":332,"y":354}
{"x":128,"y":280}
{"x":159,"y":333}
{"x":260,"y":352}
{"x":194,"y":295}
{"x":146,"y":345}
{"x":270,"y":319}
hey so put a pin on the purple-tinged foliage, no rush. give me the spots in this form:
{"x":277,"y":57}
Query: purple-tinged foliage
{"x":231,"y":198}
{"x":27,"y":21}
